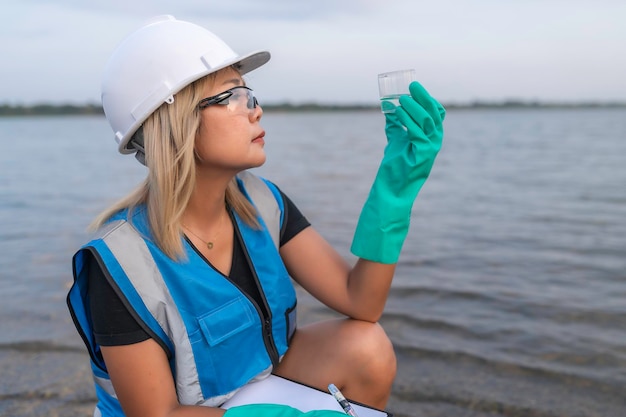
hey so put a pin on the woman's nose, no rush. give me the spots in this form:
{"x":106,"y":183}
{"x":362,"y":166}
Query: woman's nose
{"x":256,"y":113}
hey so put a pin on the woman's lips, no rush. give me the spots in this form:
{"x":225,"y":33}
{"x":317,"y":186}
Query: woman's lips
{"x":260,"y":138}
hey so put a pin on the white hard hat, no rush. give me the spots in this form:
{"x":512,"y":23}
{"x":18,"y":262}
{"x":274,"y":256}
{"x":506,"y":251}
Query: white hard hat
{"x":157,"y":61}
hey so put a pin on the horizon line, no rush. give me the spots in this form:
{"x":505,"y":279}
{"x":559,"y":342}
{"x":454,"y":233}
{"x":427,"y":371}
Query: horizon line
{"x":93,"y":109}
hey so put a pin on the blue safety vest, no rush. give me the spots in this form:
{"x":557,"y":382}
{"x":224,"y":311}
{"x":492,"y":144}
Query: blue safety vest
{"x":215,"y":336}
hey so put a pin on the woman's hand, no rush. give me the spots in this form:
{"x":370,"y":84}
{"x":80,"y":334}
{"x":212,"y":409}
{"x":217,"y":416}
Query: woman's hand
{"x":275,"y":410}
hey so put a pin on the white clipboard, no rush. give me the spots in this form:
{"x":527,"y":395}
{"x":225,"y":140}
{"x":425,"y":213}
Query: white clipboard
{"x":278,"y":390}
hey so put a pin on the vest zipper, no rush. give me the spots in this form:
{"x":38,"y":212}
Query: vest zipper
{"x":266,"y":320}
{"x":269,"y":342}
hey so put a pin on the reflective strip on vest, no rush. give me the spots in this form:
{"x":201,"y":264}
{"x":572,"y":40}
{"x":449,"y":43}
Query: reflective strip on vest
{"x":265,"y":203}
{"x":106,"y":385}
{"x":127,"y":246}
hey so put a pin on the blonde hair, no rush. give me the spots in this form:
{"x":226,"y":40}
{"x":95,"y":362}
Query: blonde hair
{"x":169,"y":137}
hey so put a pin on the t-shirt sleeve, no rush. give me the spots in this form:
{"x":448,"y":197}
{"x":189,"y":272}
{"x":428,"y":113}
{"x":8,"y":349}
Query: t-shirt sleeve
{"x":113,"y":325}
{"x":294,"y":222}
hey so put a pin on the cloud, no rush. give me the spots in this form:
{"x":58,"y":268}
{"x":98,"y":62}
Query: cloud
{"x":331,"y":50}
{"x":269,"y":10}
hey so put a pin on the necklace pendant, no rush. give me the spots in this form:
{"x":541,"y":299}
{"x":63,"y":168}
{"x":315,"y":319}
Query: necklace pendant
{"x":209,"y":245}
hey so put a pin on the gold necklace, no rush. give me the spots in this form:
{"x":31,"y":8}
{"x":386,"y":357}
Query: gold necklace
{"x":209,"y":244}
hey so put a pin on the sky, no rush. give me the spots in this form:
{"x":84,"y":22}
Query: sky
{"x":330,"y":51}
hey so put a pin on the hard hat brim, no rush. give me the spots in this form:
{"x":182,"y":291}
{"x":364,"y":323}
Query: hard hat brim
{"x":251,"y":61}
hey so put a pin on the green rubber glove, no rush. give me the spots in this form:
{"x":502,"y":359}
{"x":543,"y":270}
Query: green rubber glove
{"x":276,"y":410}
{"x":414,"y":134}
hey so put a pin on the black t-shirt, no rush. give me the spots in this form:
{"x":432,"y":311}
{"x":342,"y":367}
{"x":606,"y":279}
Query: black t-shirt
{"x":114,"y":325}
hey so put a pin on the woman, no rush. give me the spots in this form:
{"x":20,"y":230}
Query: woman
{"x":184,"y":296}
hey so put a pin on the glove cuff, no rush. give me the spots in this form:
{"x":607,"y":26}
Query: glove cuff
{"x":379,"y":244}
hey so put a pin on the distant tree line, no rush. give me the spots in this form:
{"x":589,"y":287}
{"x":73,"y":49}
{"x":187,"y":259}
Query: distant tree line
{"x":93,"y":109}
{"x":50,"y":110}
{"x":513,"y":104}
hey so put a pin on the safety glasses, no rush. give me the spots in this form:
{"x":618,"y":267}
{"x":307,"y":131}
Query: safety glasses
{"x":238,"y":99}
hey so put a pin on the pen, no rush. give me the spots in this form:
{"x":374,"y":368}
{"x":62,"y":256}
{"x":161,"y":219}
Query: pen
{"x":342,"y":400}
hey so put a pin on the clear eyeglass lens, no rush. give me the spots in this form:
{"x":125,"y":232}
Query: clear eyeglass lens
{"x":242,"y":100}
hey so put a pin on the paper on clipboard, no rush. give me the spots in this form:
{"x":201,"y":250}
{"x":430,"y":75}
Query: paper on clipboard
{"x":278,"y":390}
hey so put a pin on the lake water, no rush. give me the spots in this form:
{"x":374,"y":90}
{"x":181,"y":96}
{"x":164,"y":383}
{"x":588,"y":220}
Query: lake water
{"x":509,"y":297}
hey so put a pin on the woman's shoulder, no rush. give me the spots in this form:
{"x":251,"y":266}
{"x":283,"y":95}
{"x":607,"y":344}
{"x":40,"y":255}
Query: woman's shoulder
{"x":133,"y":216}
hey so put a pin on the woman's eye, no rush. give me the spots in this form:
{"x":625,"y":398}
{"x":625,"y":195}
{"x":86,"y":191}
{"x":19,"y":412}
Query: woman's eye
{"x":237,"y":96}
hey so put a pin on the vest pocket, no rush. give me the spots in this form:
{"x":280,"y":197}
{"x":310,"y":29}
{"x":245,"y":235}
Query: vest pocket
{"x":226,"y":321}
{"x":228,"y":347}
{"x":291,"y":318}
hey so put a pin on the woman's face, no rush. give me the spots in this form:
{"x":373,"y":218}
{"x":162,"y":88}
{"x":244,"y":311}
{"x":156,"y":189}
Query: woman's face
{"x":230,"y":136}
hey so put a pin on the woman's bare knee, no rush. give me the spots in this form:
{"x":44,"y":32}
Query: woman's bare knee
{"x":375,"y":362}
{"x":355,"y":355}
